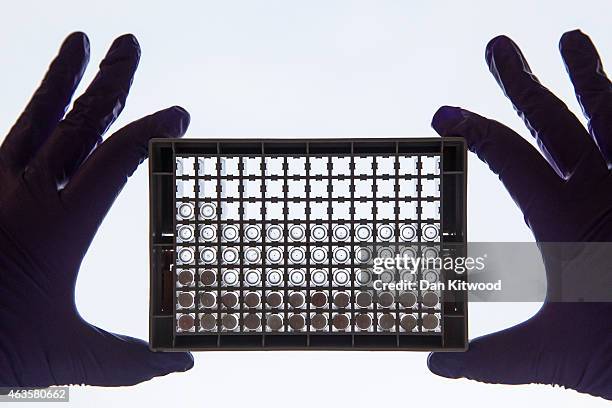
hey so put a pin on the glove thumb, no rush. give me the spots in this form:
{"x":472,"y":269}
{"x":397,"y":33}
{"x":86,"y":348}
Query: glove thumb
{"x":121,"y":360}
{"x":505,"y":357}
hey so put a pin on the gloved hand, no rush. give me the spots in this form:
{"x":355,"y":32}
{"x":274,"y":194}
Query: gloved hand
{"x":57,"y":181}
{"x":565,"y":196}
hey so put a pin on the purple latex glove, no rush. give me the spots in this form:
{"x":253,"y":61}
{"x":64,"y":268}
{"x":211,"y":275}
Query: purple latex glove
{"x":565,"y":194}
{"x":57,"y":182}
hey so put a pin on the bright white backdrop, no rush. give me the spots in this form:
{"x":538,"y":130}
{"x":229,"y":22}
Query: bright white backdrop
{"x":300,"y":69}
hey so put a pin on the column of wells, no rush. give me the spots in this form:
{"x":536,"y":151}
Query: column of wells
{"x":348,"y":311}
{"x":195,"y":245}
{"x":282,"y":243}
{"x":263,"y":303}
{"x":357,"y":262}
{"x":241,"y":246}
{"x":419,"y":217}
{"x":399,"y":244}
{"x":196,"y":276}
{"x":330,"y":211}
{"x":285,"y":224}
{"x":307,"y":244}
{"x":218,"y":242}
{"x":394,"y":309}
{"x":396,"y":244}
{"x":310,"y":266}
{"x":374,"y":240}
{"x":327,"y":310}
{"x":354,"y":310}
{"x":424,"y":243}
{"x":441,"y":232}
{"x":352,"y":270}
{"x":244,"y":310}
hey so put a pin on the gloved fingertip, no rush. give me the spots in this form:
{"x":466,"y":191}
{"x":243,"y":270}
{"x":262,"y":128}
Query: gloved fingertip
{"x":575,"y":40}
{"x":171,"y":362}
{"x":506,"y":61}
{"x":445,"y":364}
{"x":183,"y":114}
{"x":77,"y":44}
{"x":498,"y":39}
{"x":126,"y":40}
{"x":188,"y":362}
{"x":124,"y":47}
{"x":174,"y":122}
{"x":572,"y":35}
{"x":498,"y":43}
{"x":446,"y":118}
{"x":76,"y":38}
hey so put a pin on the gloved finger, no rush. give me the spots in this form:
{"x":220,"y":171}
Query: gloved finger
{"x":505,"y":357}
{"x":97,"y":183}
{"x":592,"y":86}
{"x":93,"y":112}
{"x":116,"y":360}
{"x":560,"y":135}
{"x":48,"y":104}
{"x":529,"y":179}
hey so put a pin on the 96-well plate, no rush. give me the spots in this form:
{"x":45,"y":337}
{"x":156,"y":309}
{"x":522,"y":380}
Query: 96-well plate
{"x":270,"y":244}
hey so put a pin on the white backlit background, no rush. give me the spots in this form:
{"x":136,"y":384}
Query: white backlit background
{"x":300,"y":69}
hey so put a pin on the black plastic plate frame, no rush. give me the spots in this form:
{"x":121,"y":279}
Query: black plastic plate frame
{"x":163,"y":335}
